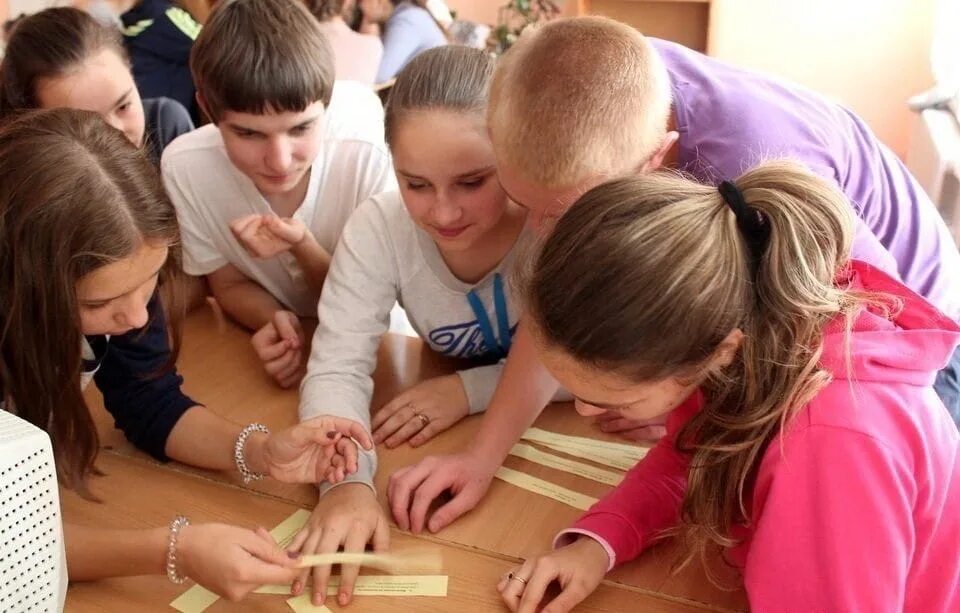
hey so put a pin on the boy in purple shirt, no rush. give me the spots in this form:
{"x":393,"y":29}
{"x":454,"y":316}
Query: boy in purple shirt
{"x":582,"y":100}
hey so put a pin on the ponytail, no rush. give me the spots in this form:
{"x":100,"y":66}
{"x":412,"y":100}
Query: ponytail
{"x":666,"y":268}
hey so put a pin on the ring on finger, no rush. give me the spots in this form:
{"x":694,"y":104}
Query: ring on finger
{"x":514,"y":577}
{"x":424,"y":420}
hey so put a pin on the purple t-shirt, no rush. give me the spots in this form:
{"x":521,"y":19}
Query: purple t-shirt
{"x":731,"y":119}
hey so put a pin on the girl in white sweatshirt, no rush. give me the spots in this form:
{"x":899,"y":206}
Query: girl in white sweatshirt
{"x":443,"y":246}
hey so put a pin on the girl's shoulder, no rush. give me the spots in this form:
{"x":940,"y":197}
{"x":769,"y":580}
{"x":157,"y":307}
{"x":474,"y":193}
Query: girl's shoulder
{"x":383,"y":208}
{"x":385,"y":215}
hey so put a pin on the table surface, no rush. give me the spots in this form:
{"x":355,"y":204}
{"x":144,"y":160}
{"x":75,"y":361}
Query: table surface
{"x":221,"y":370}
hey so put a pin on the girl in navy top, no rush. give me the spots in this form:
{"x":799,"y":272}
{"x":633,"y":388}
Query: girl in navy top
{"x":87,"y":237}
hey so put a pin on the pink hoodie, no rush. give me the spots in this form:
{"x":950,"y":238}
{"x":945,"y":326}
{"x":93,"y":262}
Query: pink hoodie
{"x":856,"y":507}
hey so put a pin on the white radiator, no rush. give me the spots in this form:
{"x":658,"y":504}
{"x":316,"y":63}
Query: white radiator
{"x":33,"y":568}
{"x":934,"y":159}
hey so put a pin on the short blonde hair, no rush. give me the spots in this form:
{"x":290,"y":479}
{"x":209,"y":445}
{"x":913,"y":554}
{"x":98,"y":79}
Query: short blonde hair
{"x":578,"y":97}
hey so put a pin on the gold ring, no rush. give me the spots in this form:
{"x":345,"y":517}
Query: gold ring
{"x":424,"y":420}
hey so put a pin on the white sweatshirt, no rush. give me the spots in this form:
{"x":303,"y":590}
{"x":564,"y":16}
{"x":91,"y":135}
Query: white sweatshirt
{"x":383,"y":258}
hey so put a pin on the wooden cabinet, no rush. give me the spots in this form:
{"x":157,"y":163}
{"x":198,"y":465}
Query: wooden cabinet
{"x":684,"y":21}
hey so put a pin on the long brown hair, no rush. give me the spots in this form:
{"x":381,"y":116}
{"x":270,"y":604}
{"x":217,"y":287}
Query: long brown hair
{"x":645,"y":276}
{"x":48,"y":45}
{"x":75,"y":195}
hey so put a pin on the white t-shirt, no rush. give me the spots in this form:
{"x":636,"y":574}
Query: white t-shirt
{"x":209,"y":192}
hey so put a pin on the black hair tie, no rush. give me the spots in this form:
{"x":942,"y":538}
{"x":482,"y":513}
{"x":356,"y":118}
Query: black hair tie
{"x":752,"y":223}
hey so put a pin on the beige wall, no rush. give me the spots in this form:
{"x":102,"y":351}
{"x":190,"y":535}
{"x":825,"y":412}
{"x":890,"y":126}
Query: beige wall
{"x":870,"y":55}
{"x":485,"y":11}
{"x":482,"y":11}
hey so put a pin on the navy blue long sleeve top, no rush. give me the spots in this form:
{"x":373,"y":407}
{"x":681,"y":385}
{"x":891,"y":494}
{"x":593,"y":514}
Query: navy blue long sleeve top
{"x":143,"y":397}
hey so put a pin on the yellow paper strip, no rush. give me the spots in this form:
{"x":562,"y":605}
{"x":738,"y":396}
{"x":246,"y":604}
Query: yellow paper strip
{"x":580,"y":469}
{"x":194,"y":600}
{"x":620,"y":463}
{"x":379,"y":585}
{"x":634,"y":452}
{"x":589,"y":449}
{"x":282,"y":590}
{"x":545,"y":488}
{"x":198,"y":598}
{"x":288,"y":528}
{"x":302,"y":604}
{"x":422,"y":559}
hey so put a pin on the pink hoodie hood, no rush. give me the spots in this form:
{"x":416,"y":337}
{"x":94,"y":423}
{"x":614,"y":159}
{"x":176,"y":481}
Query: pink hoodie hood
{"x":910,"y":348}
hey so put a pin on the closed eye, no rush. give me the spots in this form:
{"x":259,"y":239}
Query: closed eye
{"x":473,"y":183}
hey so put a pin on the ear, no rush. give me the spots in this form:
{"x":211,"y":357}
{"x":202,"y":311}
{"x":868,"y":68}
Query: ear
{"x":726,"y":351}
{"x":203,"y":106}
{"x":666,"y":145}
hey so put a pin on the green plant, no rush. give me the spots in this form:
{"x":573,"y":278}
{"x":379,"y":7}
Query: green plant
{"x":516,"y":15}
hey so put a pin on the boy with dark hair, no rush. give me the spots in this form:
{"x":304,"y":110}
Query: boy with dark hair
{"x":263,"y":193}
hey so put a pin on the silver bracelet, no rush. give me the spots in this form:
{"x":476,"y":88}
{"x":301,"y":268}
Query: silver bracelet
{"x":238,"y":457}
{"x":179,"y":523}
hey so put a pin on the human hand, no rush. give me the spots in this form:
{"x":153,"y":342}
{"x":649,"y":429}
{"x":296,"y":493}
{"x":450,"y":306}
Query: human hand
{"x":318,"y":449}
{"x":232,"y":561}
{"x":421,"y":412}
{"x":411,"y":490}
{"x":279,"y":345}
{"x":578,"y":568}
{"x":640,"y":430}
{"x":265,"y":236}
{"x":347,"y":516}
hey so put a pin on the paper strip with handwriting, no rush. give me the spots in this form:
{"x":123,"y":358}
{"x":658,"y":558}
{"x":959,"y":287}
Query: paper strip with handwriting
{"x":420,"y":559}
{"x":620,"y":463}
{"x":379,"y":585}
{"x":634,"y":452}
{"x":589,"y":449}
{"x":580,"y":469}
{"x":545,"y":488}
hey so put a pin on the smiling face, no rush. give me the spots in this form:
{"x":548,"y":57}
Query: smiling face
{"x":275,"y":150}
{"x":447,"y":176}
{"x":113,"y":298}
{"x":102,"y":84}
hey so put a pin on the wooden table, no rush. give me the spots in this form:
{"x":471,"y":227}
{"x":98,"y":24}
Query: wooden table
{"x":221,"y":370}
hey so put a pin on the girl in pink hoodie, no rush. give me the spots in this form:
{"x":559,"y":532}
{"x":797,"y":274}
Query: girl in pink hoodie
{"x":805,"y":442}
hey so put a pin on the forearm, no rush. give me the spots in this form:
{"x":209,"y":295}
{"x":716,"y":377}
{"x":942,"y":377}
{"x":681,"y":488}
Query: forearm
{"x":314,"y":260}
{"x":525,"y":387}
{"x":97,"y":553}
{"x":246,"y":303}
{"x":323,"y":395}
{"x":204,"y":439}
{"x":479,"y":384}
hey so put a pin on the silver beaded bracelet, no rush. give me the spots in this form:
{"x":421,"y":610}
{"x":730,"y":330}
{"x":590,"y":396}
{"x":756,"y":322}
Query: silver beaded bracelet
{"x":179,"y":523}
{"x":238,"y":457}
